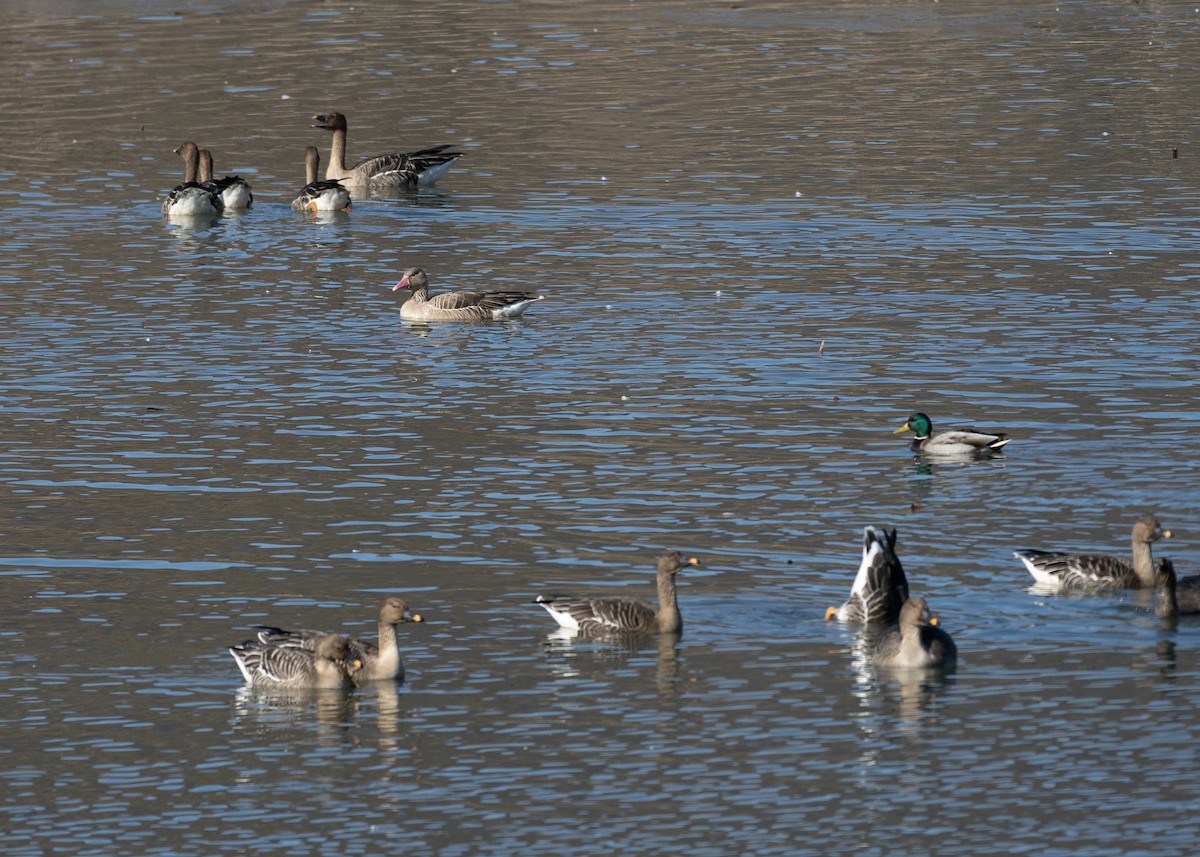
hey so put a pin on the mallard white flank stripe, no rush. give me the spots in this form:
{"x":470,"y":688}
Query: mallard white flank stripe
{"x":393,"y":170}
{"x":951,"y":442}
{"x":233,"y":190}
{"x":1172,"y":601}
{"x":624,"y":615}
{"x":880,"y":587}
{"x":191,"y":199}
{"x":327,"y":665}
{"x":319,"y":195}
{"x":458,"y":305}
{"x":915,"y":641}
{"x":1068,"y":570}
{"x":380,"y":661}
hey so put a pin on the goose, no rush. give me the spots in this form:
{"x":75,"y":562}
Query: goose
{"x":380,"y":662}
{"x":1174,"y":602}
{"x":1064,"y":570}
{"x":459,"y":305}
{"x":915,"y":641}
{"x":393,"y":170}
{"x":191,"y":199}
{"x":623,"y":614}
{"x":951,"y":442}
{"x":880,"y":587}
{"x":233,"y":190}
{"x":319,"y":195}
{"x":326,"y":665}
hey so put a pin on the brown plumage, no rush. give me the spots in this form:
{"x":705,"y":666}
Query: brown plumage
{"x":623,"y":614}
{"x":1173,"y":601}
{"x":1099,"y":571}
{"x":459,"y":305}
{"x":880,"y":587}
{"x":393,"y":170}
{"x":916,"y":641}
{"x":380,"y":661}
{"x":327,"y":664}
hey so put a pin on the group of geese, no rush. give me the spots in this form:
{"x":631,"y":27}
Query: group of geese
{"x":909,"y":637}
{"x":201,"y":195}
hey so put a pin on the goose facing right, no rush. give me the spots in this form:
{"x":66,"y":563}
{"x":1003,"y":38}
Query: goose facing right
{"x":623,"y":614}
{"x":327,"y":664}
{"x":1067,"y":570}
{"x":880,"y":587}
{"x":916,"y":641}
{"x":458,"y":305}
{"x":380,"y":661}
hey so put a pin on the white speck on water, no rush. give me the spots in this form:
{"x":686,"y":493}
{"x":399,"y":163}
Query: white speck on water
{"x":285,"y":97}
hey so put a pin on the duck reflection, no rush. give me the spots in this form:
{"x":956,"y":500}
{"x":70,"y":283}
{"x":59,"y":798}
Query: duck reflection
{"x":270,"y":709}
{"x":576,"y":656}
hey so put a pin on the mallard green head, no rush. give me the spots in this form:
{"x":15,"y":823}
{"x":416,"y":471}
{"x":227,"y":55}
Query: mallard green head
{"x":918,"y":424}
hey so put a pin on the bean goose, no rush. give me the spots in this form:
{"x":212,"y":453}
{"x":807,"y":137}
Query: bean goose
{"x":393,"y":170}
{"x":327,"y":665}
{"x":950,"y":442}
{"x":317,"y":195}
{"x":1066,"y":570}
{"x":380,"y":661}
{"x":915,"y":641}
{"x":1172,"y":601}
{"x":624,"y":615}
{"x":880,"y":587}
{"x":191,"y":198}
{"x":233,"y":190}
{"x":459,"y":305}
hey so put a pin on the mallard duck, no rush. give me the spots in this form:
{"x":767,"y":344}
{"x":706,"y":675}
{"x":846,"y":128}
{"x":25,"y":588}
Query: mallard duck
{"x":191,"y":199}
{"x":915,"y":641}
{"x":458,"y":305}
{"x":1061,"y":569}
{"x":393,"y":170}
{"x":233,"y":190}
{"x":1172,"y":601}
{"x":952,"y":441}
{"x":317,"y":195}
{"x":624,"y":615}
{"x":380,"y":662}
{"x":326,"y":665}
{"x":880,"y":587}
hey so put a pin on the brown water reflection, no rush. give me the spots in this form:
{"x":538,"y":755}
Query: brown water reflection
{"x":766,"y":235}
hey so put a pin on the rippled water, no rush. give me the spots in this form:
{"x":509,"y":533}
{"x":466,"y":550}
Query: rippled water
{"x":766,"y":235}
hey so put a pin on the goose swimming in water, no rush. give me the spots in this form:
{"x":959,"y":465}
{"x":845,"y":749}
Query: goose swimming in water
{"x":191,"y":199}
{"x":1067,"y":570}
{"x":233,"y":190}
{"x":459,"y":305}
{"x":624,"y":615}
{"x":392,"y":170}
{"x":915,"y":641}
{"x":320,"y":195}
{"x":326,"y":665}
{"x":880,"y":587}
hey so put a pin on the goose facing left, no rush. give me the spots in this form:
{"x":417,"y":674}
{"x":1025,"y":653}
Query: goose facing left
{"x":460,"y":304}
{"x":391,"y":170}
{"x":191,"y":198}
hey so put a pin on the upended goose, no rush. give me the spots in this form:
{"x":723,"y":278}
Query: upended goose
{"x":328,"y":664}
{"x":380,"y":661}
{"x":233,"y":190}
{"x":191,"y":198}
{"x":952,"y":441}
{"x":1174,"y":602}
{"x":915,"y":641}
{"x":880,"y":587}
{"x":459,"y":305}
{"x":393,"y":170}
{"x":328,"y":195}
{"x":1065,"y":570}
{"x":623,"y":614}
